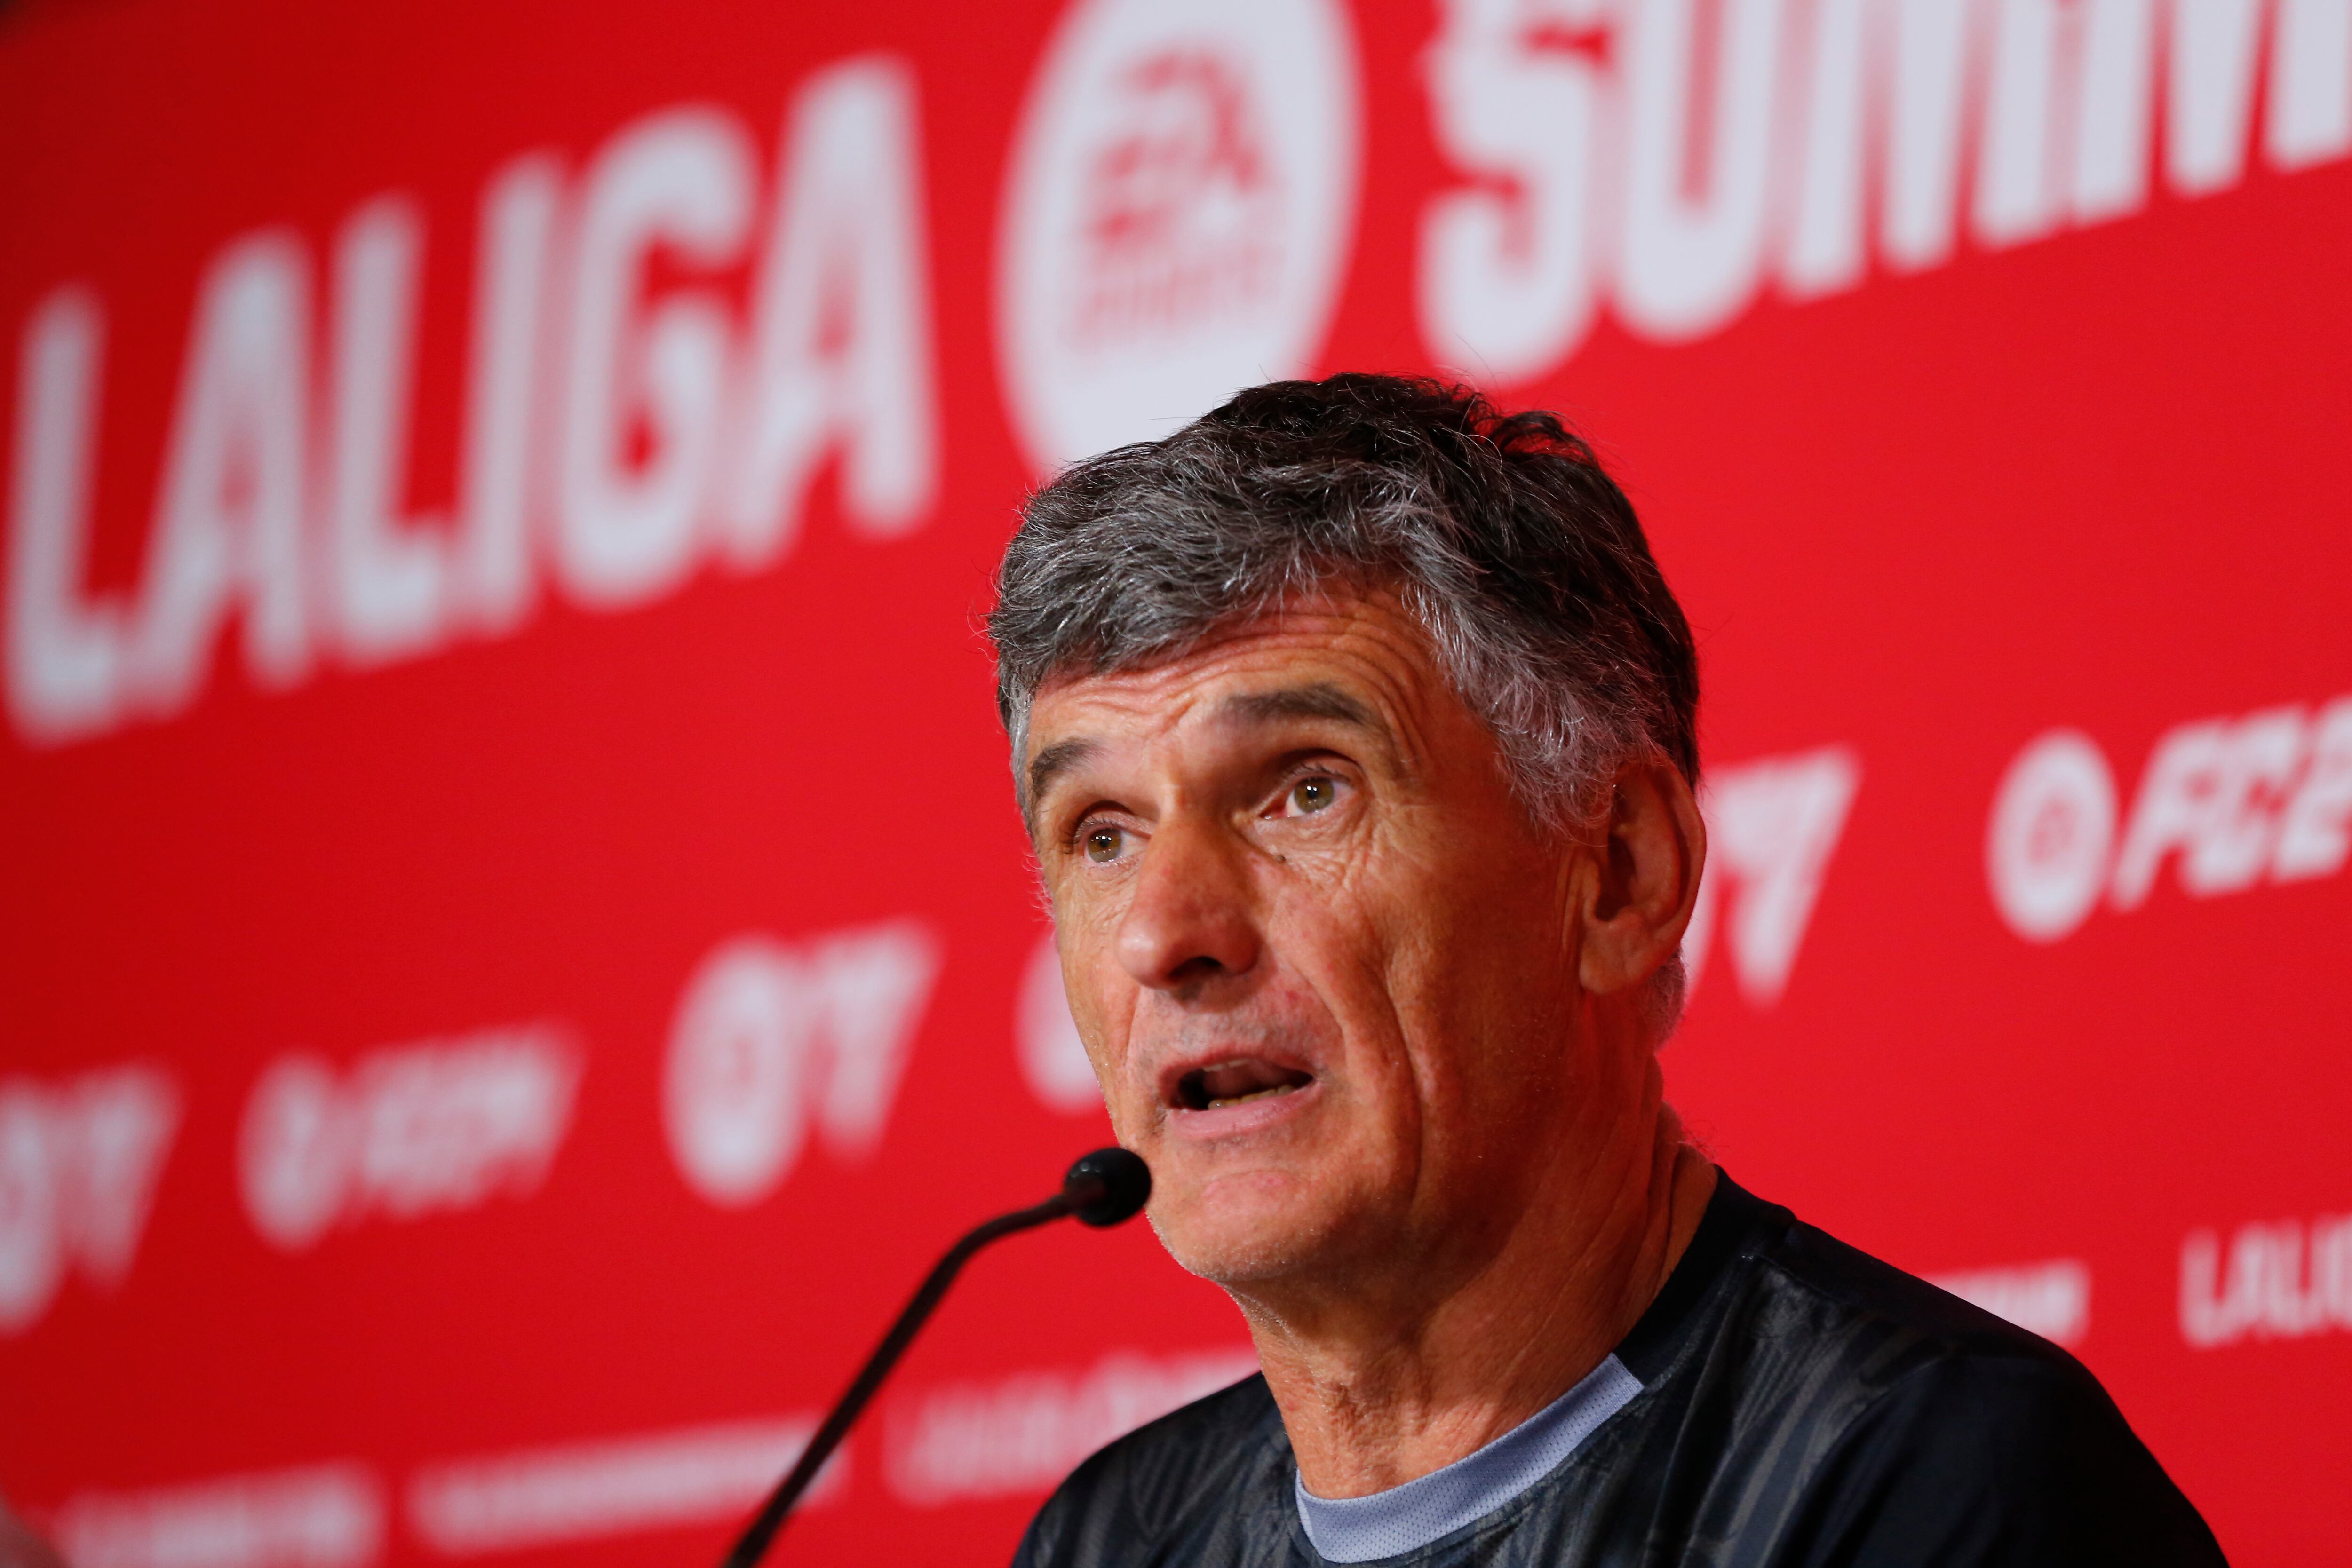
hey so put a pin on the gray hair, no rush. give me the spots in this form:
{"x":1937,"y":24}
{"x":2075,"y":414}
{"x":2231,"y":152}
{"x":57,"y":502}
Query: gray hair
{"x":1521,"y":560}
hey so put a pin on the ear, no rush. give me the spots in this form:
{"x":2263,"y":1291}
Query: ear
{"x":1648,"y":870}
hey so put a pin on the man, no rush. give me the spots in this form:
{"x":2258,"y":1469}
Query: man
{"x":1354,"y":727}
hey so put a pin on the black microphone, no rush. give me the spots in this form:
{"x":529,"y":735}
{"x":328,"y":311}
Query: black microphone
{"x":1103,"y":1188}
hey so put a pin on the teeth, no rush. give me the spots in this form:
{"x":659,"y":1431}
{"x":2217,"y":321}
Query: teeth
{"x":1254,"y":1095}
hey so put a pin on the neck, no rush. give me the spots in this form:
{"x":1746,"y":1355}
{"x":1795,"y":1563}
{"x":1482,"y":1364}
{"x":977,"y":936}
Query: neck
{"x":1381,"y":1382}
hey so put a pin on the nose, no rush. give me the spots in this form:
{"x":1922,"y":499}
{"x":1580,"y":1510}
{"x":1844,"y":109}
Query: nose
{"x":1189,"y":921}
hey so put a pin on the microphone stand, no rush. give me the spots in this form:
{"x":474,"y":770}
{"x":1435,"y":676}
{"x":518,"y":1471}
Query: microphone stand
{"x":1102,"y":1189}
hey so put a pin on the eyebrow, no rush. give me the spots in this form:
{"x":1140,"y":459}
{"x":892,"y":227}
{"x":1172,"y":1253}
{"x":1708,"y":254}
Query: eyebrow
{"x":1320,"y":700}
{"x":1316,"y":702}
{"x":1052,"y":763}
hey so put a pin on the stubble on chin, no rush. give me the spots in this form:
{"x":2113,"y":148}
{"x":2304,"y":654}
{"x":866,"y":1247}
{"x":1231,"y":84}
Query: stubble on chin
{"x":1276,"y":1243}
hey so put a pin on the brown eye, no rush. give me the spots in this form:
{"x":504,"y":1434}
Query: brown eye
{"x":1102,"y":845}
{"x":1313,"y":794}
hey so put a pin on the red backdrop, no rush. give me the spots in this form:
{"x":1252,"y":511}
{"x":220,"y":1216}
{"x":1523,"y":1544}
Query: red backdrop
{"x":518,"y":949}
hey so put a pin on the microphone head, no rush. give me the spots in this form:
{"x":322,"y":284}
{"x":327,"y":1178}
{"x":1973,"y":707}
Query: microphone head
{"x":1107,"y":1186}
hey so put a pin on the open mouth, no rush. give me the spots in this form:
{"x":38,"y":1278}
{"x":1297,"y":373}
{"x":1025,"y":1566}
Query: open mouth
{"x":1237,"y":1082}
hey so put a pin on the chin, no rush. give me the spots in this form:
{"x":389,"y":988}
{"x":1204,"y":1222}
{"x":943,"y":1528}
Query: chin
{"x":1254,"y":1240}
{"x":1240,"y":1264}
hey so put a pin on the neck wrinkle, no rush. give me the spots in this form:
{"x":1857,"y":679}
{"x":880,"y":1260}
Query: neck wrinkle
{"x":1373,"y":1399}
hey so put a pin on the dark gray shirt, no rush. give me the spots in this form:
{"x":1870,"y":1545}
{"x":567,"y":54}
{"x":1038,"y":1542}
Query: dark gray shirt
{"x":1786,"y":1401}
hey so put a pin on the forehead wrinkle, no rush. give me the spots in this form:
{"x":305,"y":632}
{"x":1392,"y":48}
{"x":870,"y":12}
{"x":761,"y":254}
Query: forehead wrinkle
{"x":1167,"y":696}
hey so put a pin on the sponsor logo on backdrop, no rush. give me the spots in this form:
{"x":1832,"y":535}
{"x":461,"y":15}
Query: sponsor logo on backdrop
{"x":624,"y":426}
{"x":2053,"y":1299}
{"x":1772,"y":827}
{"x":771,"y":1038}
{"x":1045,"y":1036}
{"x":1680,"y":158}
{"x":405,"y":1132}
{"x":319,"y":1516}
{"x":2228,"y":804}
{"x":334,"y":1515}
{"x":2281,"y":1280}
{"x":539,"y":1497}
{"x":1178,"y":217}
{"x":1021,"y":1435}
{"x":78,"y":1161}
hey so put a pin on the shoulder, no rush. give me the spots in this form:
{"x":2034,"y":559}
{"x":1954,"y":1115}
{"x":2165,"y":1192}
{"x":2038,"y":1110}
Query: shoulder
{"x":1847,"y":1293}
{"x":1943,"y":1432}
{"x":1892,"y":1342}
{"x":1988,"y":1458}
{"x":1794,"y":1326}
{"x":1156,"y":1482}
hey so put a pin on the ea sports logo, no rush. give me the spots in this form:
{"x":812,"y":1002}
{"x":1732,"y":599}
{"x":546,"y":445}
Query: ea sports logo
{"x":1177,"y":216}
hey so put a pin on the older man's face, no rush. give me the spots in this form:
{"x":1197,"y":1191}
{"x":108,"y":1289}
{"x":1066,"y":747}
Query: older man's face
{"x":1323,"y":961}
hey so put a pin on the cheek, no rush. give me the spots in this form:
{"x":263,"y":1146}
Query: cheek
{"x":1354,"y":967}
{"x":1383,"y":948}
{"x":1103,"y":1023}
{"x":1102,"y":1004}
{"x":1346,"y":924}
